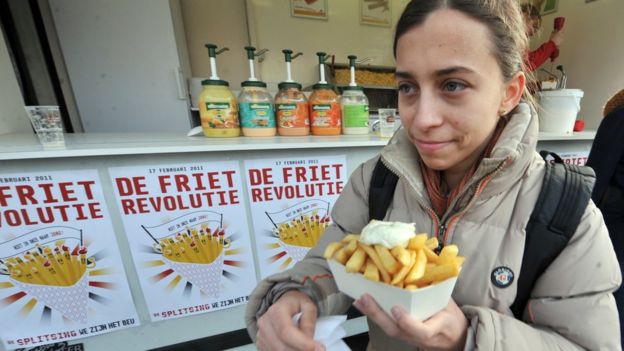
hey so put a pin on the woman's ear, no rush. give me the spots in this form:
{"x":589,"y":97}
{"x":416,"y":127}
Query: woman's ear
{"x":513,"y":90}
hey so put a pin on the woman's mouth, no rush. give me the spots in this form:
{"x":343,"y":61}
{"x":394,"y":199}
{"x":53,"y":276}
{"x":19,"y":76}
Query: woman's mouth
{"x":430,"y":145}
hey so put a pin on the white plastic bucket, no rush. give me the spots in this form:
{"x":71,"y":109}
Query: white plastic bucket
{"x":558,"y":110}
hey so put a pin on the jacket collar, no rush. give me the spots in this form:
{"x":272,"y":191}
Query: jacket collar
{"x":509,"y":160}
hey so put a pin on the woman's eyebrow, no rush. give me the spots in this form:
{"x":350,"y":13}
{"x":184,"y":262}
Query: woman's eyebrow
{"x":438,"y":73}
{"x":403,"y":74}
{"x":452,"y":70}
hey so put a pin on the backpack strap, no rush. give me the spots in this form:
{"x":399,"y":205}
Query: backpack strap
{"x":566,"y":190}
{"x":381,"y":191}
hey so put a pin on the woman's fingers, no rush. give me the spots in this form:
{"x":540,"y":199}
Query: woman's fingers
{"x":266,"y":338}
{"x":368,"y":306}
{"x":292,"y":337}
{"x":278,"y":331}
{"x":411,"y":327}
{"x":307,"y":322}
{"x":444,"y":330}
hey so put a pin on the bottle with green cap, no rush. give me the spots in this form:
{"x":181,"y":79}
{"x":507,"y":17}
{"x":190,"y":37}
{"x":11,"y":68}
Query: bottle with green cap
{"x":255,"y":103}
{"x":218,"y":109}
{"x":354,"y":105}
{"x":325,"y":112}
{"x":291,"y":105}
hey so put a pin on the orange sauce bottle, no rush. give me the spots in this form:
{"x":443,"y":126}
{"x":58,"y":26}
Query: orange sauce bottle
{"x":291,"y":108}
{"x":325,"y":112}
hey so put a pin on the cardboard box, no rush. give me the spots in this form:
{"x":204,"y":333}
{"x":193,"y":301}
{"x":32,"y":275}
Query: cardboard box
{"x":420,"y":304}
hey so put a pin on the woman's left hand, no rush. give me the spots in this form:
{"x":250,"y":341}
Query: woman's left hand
{"x":445,"y":330}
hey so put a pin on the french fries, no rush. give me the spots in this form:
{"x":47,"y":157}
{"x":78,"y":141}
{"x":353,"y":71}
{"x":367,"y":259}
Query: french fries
{"x":356,"y":262}
{"x":411,"y":267}
{"x":390,"y":264}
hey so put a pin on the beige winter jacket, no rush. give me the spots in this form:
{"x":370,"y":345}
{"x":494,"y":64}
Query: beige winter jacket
{"x":571,"y":306}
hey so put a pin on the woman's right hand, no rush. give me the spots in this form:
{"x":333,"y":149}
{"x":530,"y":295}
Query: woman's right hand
{"x":557,"y":37}
{"x":277,"y":331}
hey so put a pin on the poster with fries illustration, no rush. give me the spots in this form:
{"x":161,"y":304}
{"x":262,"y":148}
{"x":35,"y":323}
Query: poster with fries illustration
{"x":291,"y":202}
{"x":61,"y":274}
{"x":188,"y":233}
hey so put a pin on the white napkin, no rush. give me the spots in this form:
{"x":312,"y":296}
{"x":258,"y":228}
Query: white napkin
{"x":329,"y":332}
{"x":195,"y":131}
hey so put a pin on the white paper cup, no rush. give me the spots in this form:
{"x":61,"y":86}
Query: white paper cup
{"x":387,"y":119}
{"x":46,"y":120}
{"x":420,"y":303}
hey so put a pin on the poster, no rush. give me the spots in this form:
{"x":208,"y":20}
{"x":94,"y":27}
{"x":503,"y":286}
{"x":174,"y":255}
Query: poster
{"x":578,"y":158}
{"x":61,"y":275}
{"x":316,"y":9}
{"x":291,"y":202}
{"x":188,"y":234}
{"x":376,"y":12}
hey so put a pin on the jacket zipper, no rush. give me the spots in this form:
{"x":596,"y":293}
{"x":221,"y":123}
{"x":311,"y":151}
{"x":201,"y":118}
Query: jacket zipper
{"x":442,"y":228}
{"x":440,"y":236}
{"x":452,"y":219}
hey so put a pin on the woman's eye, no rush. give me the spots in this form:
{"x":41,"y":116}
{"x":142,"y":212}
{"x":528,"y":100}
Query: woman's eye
{"x":405,"y":88}
{"x":454,"y":86}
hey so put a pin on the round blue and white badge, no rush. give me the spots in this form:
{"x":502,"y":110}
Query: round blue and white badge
{"x":502,"y":276}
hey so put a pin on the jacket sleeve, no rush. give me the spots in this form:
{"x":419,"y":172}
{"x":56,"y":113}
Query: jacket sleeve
{"x":571,"y":305}
{"x":541,"y":54}
{"x":312,"y":275}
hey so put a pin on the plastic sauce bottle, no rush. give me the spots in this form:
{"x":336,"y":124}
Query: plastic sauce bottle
{"x":354,"y":111}
{"x":291,"y":105}
{"x":325,"y":112}
{"x":292,"y":112}
{"x":354,"y":106}
{"x":218,"y":110}
{"x":255,"y":104}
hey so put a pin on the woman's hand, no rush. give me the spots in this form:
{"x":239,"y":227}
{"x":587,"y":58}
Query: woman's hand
{"x":445,"y":330}
{"x":277,"y":331}
{"x":557,"y":37}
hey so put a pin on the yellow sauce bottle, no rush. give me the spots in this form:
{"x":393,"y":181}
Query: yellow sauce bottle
{"x":218,"y":110}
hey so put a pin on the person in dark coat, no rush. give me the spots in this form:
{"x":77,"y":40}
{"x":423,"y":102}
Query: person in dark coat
{"x":607,"y":159}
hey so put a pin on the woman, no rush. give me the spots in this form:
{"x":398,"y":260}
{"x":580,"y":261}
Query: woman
{"x":532,"y":23}
{"x":468,"y":173}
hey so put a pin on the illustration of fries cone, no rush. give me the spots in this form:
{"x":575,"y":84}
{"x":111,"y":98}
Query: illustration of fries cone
{"x":49,"y":271}
{"x":206,"y":276}
{"x":300,"y":234}
{"x":55,"y":277}
{"x":195,"y":252}
{"x":299,"y":227}
{"x":71,"y":301}
{"x":197,"y":256}
{"x":296,"y":252}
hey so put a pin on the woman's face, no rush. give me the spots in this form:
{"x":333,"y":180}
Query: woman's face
{"x":531,"y":24}
{"x":451,"y":89}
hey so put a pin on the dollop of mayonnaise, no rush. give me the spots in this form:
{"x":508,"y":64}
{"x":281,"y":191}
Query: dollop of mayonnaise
{"x":388,"y":234}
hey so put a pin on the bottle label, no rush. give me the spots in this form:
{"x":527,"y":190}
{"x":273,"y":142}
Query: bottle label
{"x":217,"y":106}
{"x":325,"y":115}
{"x":355,"y":116}
{"x":219,"y":115}
{"x":257,"y":115}
{"x":293,"y":115}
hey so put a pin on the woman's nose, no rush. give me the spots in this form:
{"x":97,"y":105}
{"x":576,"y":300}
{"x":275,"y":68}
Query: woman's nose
{"x":425,"y":114}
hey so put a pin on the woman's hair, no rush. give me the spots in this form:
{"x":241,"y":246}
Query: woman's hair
{"x":615,"y":102}
{"x":531,"y":11}
{"x":502,"y":17}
